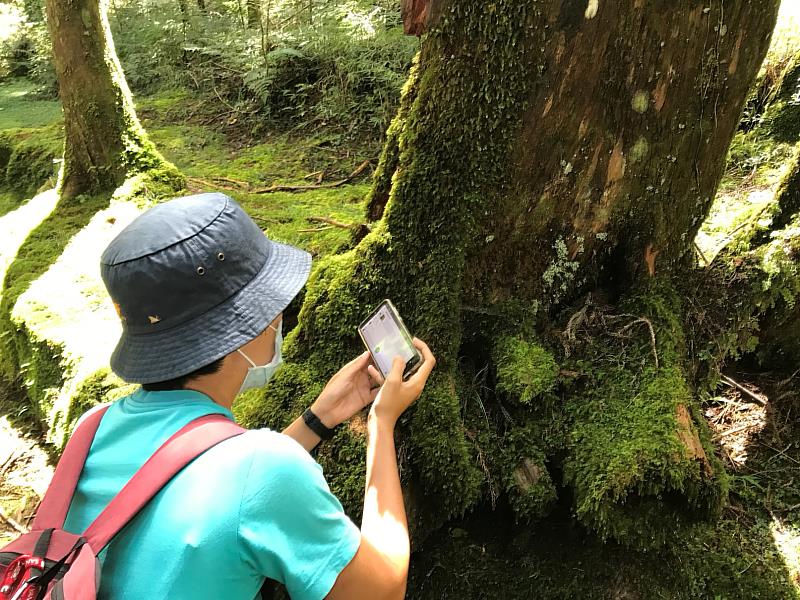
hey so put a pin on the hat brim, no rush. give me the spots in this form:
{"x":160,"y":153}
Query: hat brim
{"x":180,"y":350}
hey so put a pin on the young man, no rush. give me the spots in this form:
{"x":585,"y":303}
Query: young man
{"x":201,"y":291}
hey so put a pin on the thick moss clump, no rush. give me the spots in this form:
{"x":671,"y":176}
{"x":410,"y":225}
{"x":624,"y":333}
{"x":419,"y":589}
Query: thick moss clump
{"x":525,"y":370}
{"x":638,"y":461}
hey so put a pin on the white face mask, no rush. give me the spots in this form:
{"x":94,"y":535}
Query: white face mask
{"x":258,"y":375}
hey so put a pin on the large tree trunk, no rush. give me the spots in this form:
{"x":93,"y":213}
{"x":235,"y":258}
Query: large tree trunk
{"x":543,"y":151}
{"x":104,"y":141}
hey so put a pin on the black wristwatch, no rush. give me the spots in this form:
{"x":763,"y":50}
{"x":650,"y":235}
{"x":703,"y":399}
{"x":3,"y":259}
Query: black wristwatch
{"x":317,"y":426}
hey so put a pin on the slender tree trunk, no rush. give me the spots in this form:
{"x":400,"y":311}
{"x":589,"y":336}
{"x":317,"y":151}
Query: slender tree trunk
{"x":104,"y":141}
{"x":253,"y":13}
{"x":548,"y":151}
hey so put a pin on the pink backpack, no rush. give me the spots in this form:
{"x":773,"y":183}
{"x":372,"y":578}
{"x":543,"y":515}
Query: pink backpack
{"x":53,"y":564}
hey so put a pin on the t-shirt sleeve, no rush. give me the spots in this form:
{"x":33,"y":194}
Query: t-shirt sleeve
{"x":291,"y":527}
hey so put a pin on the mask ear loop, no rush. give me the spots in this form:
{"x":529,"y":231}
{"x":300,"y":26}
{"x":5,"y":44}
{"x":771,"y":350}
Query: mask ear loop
{"x":247,"y":358}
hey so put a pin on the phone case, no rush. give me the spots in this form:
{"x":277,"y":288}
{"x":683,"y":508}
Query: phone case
{"x":407,"y":373}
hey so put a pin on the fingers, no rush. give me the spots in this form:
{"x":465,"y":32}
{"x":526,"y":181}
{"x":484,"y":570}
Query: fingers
{"x":429,"y":360}
{"x":359,"y":362}
{"x":375,"y":375}
{"x":396,"y":374}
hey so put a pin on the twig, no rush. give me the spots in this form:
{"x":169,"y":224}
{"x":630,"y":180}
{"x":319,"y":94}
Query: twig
{"x":700,"y":252}
{"x":316,"y":175}
{"x":781,"y":452}
{"x":212,"y":184}
{"x":330,"y":222}
{"x":317,"y":186}
{"x":9,"y":462}
{"x":734,"y":430}
{"x":264,"y":221}
{"x":14,"y":525}
{"x":647,"y":322}
{"x":243,"y":184}
{"x":315,"y":230}
{"x":727,"y":380}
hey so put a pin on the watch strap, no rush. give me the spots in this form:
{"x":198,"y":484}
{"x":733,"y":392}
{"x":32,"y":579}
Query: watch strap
{"x":317,"y":426}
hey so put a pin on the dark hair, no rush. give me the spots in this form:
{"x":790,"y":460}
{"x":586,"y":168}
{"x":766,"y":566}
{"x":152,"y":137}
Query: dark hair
{"x":179,"y":382}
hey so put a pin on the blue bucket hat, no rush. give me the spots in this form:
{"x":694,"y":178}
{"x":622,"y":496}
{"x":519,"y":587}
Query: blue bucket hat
{"x":192,"y":280}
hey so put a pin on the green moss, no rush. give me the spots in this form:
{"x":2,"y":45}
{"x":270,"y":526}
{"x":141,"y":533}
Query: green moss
{"x":28,"y":159}
{"x":526,"y":479}
{"x":20,"y":108}
{"x":489,"y":556}
{"x":636,"y":462}
{"x":101,"y":387}
{"x":525,"y":370}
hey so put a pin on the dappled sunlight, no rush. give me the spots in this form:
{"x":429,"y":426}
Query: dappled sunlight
{"x":68,"y":306}
{"x":787,"y":541}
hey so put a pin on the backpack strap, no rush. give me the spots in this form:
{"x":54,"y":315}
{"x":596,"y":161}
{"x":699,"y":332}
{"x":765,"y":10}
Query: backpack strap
{"x":53,"y":510}
{"x":177,"y":452}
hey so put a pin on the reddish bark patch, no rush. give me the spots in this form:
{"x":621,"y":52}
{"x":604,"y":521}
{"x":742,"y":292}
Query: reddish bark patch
{"x":688,"y":437}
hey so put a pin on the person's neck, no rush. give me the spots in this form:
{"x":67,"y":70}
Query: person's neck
{"x":215,"y":387}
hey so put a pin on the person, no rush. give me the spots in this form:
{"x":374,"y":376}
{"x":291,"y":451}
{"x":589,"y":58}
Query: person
{"x":201,"y":292}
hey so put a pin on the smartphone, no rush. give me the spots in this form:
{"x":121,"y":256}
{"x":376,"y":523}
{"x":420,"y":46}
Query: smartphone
{"x":385,"y":336}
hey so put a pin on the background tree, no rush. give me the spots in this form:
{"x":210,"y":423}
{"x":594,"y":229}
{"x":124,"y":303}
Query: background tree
{"x":104,"y":141}
{"x":535,"y":208}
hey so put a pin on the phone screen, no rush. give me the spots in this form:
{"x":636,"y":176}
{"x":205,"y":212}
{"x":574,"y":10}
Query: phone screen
{"x":386,"y":338}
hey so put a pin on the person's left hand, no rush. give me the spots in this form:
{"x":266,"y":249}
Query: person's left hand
{"x":352,"y":388}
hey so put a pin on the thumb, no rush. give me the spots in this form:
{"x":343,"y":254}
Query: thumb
{"x":396,"y":374}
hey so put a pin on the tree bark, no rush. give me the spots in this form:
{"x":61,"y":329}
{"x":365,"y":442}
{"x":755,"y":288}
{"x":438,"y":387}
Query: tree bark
{"x":253,"y":13}
{"x":547,"y":151}
{"x":104,"y":141}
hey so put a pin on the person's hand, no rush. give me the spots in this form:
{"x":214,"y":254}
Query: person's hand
{"x":352,"y":388}
{"x":396,"y":395}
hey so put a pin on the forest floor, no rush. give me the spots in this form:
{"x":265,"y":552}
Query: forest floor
{"x":752,"y":552}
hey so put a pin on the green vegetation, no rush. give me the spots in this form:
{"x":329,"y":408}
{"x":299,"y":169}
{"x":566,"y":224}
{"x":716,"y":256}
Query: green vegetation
{"x":31,"y":141}
{"x":524,"y":370}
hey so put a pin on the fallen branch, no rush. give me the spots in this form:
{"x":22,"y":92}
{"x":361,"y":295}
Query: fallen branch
{"x":318,"y":176}
{"x":317,"y":186}
{"x":738,"y":429}
{"x":331,"y":222}
{"x":14,"y":525}
{"x":243,"y":184}
{"x":727,"y":380}
{"x":212,"y":184}
{"x":315,"y":230}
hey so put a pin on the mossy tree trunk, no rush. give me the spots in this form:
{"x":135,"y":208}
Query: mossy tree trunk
{"x":104,"y":141}
{"x":536,"y":204}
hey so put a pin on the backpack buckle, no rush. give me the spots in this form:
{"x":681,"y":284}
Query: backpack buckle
{"x":17,"y":582}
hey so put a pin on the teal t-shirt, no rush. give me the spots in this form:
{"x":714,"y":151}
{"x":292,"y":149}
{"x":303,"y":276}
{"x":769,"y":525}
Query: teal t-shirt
{"x":254,"y":506}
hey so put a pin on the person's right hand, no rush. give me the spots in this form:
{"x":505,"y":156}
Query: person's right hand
{"x":396,"y":395}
